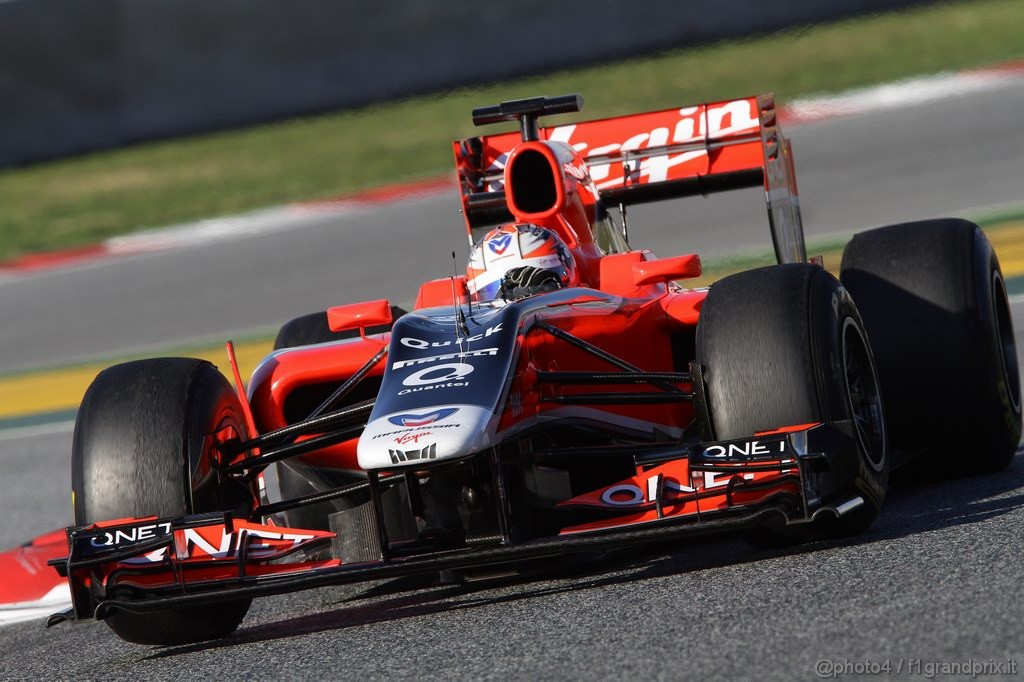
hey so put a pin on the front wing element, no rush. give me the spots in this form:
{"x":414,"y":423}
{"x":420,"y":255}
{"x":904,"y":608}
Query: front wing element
{"x":151,"y":564}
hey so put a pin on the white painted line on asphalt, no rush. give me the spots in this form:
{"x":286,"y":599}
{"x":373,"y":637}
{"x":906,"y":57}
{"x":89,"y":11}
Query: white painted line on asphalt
{"x":206,"y":231}
{"x":900,"y":94}
{"x":20,"y":432}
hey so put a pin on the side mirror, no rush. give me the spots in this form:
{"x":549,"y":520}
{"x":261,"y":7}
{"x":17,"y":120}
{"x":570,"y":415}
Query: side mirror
{"x":666,"y":269}
{"x":359,"y":315}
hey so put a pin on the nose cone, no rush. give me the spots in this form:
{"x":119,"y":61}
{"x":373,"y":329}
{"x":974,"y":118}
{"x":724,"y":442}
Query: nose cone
{"x":424,"y":436}
{"x":446,"y":374}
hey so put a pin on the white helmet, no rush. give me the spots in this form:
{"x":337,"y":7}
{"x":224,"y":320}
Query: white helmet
{"x":511,"y":246}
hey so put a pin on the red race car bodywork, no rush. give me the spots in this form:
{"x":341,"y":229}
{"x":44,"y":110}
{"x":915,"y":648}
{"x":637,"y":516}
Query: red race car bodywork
{"x":473,"y":433}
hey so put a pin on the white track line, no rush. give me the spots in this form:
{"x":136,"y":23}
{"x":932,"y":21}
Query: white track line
{"x":19,"y":432}
{"x":900,"y":94}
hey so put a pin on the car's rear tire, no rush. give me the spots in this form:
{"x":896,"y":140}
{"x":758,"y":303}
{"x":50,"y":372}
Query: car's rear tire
{"x":141,"y":449}
{"x":784,"y":345}
{"x":934,"y":304}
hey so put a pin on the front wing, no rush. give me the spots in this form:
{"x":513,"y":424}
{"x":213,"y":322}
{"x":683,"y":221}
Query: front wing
{"x":152,"y":564}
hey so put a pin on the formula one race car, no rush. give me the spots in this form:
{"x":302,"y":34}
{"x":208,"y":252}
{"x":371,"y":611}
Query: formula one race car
{"x":565,"y":396}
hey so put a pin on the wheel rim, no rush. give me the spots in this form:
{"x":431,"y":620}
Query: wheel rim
{"x":1005,"y":339}
{"x":862,"y":395}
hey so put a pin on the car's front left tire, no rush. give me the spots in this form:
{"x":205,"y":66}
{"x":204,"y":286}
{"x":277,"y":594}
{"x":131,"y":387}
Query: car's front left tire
{"x":783,"y":346}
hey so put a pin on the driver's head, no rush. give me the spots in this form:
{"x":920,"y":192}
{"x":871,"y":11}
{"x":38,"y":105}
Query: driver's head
{"x":515,"y":246}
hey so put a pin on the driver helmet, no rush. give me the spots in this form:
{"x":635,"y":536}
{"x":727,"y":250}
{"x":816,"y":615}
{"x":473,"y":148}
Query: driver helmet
{"x":517,"y":245}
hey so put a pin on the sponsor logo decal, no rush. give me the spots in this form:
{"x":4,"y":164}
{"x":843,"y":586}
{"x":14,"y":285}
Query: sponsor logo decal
{"x":402,"y":456}
{"x":424,"y":418}
{"x":412,"y":437}
{"x":451,"y":371}
{"x":199,"y":544}
{"x":751,"y":449}
{"x":631,"y":495}
{"x":446,"y":356}
{"x":500,"y":244}
{"x":212,"y":542}
{"x":687,"y":125}
{"x":433,"y":427}
{"x":420,"y":344}
{"x":448,"y":375}
{"x":131,"y":535}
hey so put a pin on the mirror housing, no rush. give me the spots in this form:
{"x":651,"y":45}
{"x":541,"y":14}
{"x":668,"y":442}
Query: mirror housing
{"x":667,"y":269}
{"x":359,"y":315}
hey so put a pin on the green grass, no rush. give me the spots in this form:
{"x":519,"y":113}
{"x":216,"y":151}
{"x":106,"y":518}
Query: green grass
{"x":82,"y":200}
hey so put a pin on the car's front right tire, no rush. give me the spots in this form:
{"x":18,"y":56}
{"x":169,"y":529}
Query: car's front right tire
{"x":142,"y":447}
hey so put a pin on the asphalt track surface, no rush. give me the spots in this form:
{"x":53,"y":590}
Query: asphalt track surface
{"x":937,"y":578}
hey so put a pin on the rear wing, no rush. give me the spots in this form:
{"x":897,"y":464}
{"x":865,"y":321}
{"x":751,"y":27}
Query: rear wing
{"x":658,"y":155}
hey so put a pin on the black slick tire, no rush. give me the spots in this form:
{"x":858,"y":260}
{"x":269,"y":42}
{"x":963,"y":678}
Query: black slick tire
{"x":782,"y":346}
{"x":140,"y":449}
{"x":934,"y":304}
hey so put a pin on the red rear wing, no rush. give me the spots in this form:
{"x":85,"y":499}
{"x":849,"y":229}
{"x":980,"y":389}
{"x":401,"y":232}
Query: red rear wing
{"x":678,"y":152}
